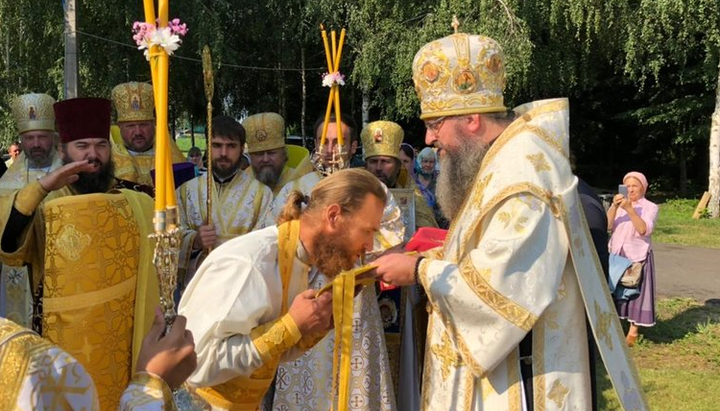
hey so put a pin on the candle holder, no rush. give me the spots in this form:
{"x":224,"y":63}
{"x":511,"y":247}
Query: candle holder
{"x":165,"y":259}
{"x":339,"y":161}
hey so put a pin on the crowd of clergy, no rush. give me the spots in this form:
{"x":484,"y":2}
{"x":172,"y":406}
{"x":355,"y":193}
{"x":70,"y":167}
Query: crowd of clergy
{"x":493,"y":314}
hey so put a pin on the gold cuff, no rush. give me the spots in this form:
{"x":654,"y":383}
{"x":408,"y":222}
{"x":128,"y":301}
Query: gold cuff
{"x":274,"y":338}
{"x":310,"y":341}
{"x":29,"y":198}
{"x":154,"y":383}
{"x":422,"y":273}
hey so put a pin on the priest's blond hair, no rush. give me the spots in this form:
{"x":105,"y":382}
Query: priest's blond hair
{"x":346,"y":188}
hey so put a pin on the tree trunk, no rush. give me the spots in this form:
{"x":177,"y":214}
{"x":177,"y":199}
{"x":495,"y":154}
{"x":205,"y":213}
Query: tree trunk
{"x":683,"y":173}
{"x":714,"y":177}
{"x":303,"y":105}
{"x":365,"y":107}
{"x":192,"y":132}
{"x":282,"y":91}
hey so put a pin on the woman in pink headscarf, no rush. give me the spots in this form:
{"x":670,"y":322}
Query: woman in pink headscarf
{"x":631,"y":221}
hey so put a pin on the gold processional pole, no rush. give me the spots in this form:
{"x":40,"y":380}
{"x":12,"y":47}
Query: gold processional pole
{"x":209,"y":82}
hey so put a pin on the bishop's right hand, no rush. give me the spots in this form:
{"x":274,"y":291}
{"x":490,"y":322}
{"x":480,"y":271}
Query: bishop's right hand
{"x":65,"y":175}
{"x":312,"y":315}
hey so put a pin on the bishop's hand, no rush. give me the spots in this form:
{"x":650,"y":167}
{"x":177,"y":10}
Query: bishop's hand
{"x":396,"y":268}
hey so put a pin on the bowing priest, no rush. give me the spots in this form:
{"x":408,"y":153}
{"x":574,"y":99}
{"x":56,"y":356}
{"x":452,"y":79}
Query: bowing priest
{"x":35,"y":122}
{"x":238,"y":201}
{"x":134,"y":148}
{"x":508,"y":289}
{"x":262,"y":310}
{"x":307,"y":380}
{"x":85,"y":238}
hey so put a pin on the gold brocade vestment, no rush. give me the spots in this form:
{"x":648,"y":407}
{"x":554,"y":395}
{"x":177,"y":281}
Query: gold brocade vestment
{"x":100,"y":288}
{"x":136,"y":167}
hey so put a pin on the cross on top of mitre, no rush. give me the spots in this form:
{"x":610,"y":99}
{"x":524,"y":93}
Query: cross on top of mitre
{"x":455,"y":23}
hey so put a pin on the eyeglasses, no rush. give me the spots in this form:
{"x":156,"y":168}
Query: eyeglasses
{"x":435,"y":125}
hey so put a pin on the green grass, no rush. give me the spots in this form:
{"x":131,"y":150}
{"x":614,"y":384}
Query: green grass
{"x":675,"y":225}
{"x":678,"y":359}
{"x":184,"y":143}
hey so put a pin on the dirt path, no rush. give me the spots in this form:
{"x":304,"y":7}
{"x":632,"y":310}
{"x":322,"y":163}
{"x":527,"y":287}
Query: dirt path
{"x":684,"y":271}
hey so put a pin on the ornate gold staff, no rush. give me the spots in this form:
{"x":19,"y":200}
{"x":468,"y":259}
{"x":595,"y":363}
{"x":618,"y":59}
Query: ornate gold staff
{"x":209,"y":81}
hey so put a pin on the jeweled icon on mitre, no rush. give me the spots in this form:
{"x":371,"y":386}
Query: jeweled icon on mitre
{"x":135,"y":102}
{"x":378,"y":135}
{"x":261,"y":135}
{"x":32,"y":113}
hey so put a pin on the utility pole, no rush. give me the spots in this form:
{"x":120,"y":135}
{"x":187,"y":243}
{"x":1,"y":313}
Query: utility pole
{"x":71,"y":64}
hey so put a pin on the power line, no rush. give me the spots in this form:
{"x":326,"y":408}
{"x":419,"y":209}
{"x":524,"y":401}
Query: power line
{"x":176,"y":56}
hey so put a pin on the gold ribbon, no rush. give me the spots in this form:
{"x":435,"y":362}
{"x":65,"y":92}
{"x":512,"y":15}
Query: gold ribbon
{"x":343,"y":289}
{"x":288,"y":237}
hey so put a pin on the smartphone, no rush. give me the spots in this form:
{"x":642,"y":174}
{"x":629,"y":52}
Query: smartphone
{"x":622,"y":189}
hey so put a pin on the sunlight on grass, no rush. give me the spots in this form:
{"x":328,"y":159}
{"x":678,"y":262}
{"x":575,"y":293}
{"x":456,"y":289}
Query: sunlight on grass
{"x":675,"y":225}
{"x":678,"y":359}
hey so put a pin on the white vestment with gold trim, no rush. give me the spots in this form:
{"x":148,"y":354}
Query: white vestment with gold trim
{"x":237,"y":208}
{"x":506,"y":270}
{"x":38,"y":375}
{"x":305,"y":384}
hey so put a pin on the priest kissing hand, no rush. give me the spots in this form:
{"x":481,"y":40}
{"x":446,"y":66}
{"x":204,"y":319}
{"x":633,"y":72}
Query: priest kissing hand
{"x":312,"y":315}
{"x":65,"y":175}
{"x":396,"y":268}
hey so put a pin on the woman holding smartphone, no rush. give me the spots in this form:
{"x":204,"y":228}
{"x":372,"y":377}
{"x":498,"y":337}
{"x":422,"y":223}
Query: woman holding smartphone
{"x":631,"y":219}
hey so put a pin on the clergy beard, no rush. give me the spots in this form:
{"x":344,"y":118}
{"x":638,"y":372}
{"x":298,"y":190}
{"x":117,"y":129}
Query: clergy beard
{"x":223,"y":172}
{"x":332,"y":254}
{"x":98,"y":182}
{"x":268,"y":176}
{"x":458,"y":170}
{"x":39,"y":158}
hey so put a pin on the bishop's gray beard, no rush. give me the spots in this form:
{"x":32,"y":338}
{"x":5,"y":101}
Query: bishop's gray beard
{"x":268,"y":176}
{"x":458,"y":170}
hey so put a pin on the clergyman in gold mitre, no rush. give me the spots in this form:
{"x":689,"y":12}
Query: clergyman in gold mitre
{"x":134,"y":139}
{"x":265,"y":134}
{"x":381,"y":143}
{"x":459,"y":74}
{"x":35,"y":122}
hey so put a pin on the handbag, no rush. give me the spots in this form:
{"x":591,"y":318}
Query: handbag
{"x":632,"y":277}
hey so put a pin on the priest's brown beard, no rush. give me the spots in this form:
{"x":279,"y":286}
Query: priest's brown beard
{"x":332,"y":254}
{"x":458,"y":169}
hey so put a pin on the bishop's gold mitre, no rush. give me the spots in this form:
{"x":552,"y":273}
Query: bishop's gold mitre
{"x":134,"y":102}
{"x":264,"y":131}
{"x":33,"y":112}
{"x":382,"y":138}
{"x":459,"y":74}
